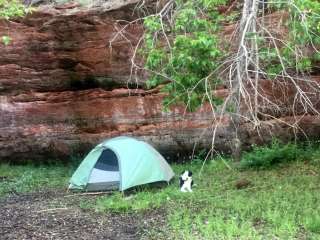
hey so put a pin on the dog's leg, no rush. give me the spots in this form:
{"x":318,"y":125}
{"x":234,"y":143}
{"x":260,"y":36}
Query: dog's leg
{"x":189,"y":188}
{"x":184,"y":187}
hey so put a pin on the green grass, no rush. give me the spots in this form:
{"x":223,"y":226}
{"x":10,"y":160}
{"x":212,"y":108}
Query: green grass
{"x":28,"y":178}
{"x":278,"y":205}
{"x":282,"y":201}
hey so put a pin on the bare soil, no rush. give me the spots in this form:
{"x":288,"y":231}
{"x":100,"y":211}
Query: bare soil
{"x":57,"y":215}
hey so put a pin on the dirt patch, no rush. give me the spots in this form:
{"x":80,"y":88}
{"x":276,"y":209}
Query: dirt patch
{"x":53,"y":215}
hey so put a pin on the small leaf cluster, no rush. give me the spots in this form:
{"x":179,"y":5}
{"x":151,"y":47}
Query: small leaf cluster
{"x":305,"y":29}
{"x":6,"y":40}
{"x":304,"y":33}
{"x":8,"y":9}
{"x":184,"y":52}
{"x":11,"y":8}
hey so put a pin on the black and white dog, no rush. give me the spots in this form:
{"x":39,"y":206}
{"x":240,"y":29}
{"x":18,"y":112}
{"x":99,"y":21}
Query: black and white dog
{"x":186,"y":181}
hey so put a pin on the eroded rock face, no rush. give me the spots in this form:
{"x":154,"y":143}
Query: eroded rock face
{"x":63,"y":89}
{"x":57,"y":50}
{"x":64,"y":123}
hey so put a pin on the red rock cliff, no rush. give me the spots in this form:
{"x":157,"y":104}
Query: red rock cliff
{"x":63,"y":89}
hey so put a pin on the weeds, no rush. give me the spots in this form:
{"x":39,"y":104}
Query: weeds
{"x":312,"y":223}
{"x":276,"y":153}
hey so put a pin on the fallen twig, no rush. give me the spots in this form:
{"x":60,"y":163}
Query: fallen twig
{"x":52,"y":209}
{"x":87,"y":193}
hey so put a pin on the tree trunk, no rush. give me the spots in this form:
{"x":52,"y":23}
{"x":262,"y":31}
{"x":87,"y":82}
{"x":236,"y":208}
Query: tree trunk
{"x":247,"y":57}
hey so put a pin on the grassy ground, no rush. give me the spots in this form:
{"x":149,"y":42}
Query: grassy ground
{"x":27,"y":178}
{"x":281,"y":202}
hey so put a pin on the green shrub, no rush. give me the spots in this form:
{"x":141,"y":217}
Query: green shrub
{"x":312,"y":223}
{"x":188,"y":55}
{"x":275,"y":153}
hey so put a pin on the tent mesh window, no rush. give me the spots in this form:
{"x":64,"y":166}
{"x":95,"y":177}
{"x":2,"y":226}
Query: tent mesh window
{"x":105,"y":174}
{"x":107,"y":161}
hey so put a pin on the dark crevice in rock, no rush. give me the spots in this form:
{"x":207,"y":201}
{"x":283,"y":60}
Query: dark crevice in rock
{"x":67,"y":63}
{"x":104,"y":82}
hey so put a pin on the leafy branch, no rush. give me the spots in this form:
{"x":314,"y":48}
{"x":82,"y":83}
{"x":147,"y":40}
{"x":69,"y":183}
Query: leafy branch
{"x":267,"y":73}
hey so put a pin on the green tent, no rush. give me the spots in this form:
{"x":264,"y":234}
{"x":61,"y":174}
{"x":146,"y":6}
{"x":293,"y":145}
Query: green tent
{"x":120,"y":163}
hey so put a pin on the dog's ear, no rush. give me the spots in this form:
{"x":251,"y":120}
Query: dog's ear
{"x":189,"y":173}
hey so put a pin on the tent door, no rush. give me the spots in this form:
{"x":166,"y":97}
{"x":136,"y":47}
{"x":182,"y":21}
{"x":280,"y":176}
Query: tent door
{"x":105,"y":175}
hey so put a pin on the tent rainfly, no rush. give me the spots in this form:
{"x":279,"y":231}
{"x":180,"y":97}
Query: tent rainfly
{"x":120,"y":163}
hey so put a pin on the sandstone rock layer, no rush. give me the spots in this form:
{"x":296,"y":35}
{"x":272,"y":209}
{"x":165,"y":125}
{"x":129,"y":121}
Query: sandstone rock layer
{"x":64,"y":88}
